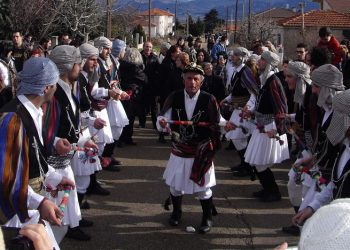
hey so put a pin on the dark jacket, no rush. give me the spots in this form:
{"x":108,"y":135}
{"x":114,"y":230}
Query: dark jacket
{"x":214,"y":85}
{"x":151,"y":70}
{"x":170,"y":77}
{"x":133,"y":78}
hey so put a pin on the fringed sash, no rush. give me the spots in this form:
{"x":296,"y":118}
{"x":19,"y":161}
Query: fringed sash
{"x":14,"y":167}
{"x":51,"y":123}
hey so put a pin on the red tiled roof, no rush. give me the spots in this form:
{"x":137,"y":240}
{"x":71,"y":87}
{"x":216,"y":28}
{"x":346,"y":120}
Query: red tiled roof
{"x":339,"y":5}
{"x":156,"y":12}
{"x":318,"y":18}
{"x":143,"y":22}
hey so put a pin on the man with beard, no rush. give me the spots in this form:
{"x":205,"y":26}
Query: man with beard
{"x":63,"y":118}
{"x":22,"y":153}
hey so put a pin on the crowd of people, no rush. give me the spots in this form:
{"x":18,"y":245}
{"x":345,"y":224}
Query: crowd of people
{"x":64,"y":111}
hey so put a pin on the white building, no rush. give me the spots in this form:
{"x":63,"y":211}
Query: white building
{"x":162,"y":22}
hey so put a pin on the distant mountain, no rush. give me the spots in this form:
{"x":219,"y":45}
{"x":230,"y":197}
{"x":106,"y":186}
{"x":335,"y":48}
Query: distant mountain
{"x":198,"y":8}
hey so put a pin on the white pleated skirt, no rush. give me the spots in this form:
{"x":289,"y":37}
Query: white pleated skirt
{"x":72,"y":213}
{"x":239,"y":139}
{"x":117,"y":118}
{"x":82,"y":166}
{"x":103,"y":135}
{"x":177,"y":175}
{"x":263,"y":150}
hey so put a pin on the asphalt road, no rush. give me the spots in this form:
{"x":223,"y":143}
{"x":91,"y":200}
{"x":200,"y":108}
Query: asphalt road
{"x":132,"y":217}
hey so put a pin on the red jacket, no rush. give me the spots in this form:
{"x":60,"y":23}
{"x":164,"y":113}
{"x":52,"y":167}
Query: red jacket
{"x":334,"y":47}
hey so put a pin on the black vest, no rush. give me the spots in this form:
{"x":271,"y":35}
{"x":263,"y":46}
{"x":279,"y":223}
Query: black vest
{"x":66,"y":129}
{"x":264,"y":100}
{"x":84,"y":98}
{"x":195,"y":134}
{"x":16,"y":106}
{"x":342,"y":189}
{"x":236,"y":86}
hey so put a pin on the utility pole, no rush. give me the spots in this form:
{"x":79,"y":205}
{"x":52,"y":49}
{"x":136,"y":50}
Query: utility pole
{"x":149,"y":20}
{"x":227,"y":11}
{"x":109,"y":18}
{"x":175,"y":16}
{"x":188,"y":24}
{"x":249,"y":18}
{"x":302,"y":5}
{"x":236,"y":13}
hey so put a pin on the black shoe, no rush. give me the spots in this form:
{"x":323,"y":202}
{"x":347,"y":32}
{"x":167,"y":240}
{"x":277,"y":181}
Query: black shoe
{"x":119,"y":144}
{"x":98,"y":190}
{"x":271,"y":197}
{"x":259,"y":194}
{"x":175,"y":217}
{"x":85,"y":205}
{"x":207,"y":223}
{"x":85,"y":223}
{"x":293,"y":230}
{"x":77,"y":234}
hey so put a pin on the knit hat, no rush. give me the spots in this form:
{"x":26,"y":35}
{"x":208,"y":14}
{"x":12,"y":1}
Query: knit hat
{"x":65,"y":56}
{"x":301,"y":72}
{"x":330,"y":80}
{"x":87,"y":50}
{"x":37,"y":73}
{"x":117,"y":47}
{"x":328,"y":228}
{"x":340,"y":122}
{"x":271,"y":58}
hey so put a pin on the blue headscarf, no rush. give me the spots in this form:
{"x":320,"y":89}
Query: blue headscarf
{"x":117,"y":47}
{"x":37,"y":73}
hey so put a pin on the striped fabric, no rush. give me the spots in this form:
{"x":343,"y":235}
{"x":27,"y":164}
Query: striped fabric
{"x":52,"y":113}
{"x":14,"y":167}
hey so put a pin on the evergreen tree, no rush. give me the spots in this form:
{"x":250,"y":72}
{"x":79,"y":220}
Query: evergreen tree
{"x":211,"y":20}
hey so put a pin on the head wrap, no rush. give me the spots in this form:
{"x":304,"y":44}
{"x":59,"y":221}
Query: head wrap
{"x":87,"y":50}
{"x":242,"y":52}
{"x":193,"y":67}
{"x":102,"y":42}
{"x":37,"y":73}
{"x":330,"y":80}
{"x":271,"y":58}
{"x":301,"y":72}
{"x":117,"y":47}
{"x":65,"y":56}
{"x":254,"y":57}
{"x":340,"y":122}
{"x":328,"y":228}
{"x":165,"y":46}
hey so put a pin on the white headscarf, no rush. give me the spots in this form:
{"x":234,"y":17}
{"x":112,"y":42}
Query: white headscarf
{"x":65,"y":56}
{"x":301,"y":72}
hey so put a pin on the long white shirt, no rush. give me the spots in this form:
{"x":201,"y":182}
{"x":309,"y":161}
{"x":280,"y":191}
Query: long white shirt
{"x":52,"y":178}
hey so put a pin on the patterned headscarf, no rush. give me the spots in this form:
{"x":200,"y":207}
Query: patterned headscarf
{"x":301,"y":72}
{"x":87,"y":50}
{"x":37,"y":73}
{"x":340,"y":122}
{"x":242,"y":52}
{"x":65,"y":56}
{"x":330,"y":80}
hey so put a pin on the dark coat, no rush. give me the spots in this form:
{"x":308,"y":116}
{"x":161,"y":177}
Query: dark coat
{"x":214,"y":85}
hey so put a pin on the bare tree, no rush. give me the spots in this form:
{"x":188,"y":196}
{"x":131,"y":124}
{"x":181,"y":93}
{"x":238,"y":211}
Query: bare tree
{"x":261,"y":28}
{"x":77,"y":16}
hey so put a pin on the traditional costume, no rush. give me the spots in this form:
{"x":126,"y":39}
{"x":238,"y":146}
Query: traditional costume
{"x":262,"y":151}
{"x":113,"y":109}
{"x":190,"y":168}
{"x":63,"y":121}
{"x":243,"y":92}
{"x":337,"y":133}
{"x":23,"y":167}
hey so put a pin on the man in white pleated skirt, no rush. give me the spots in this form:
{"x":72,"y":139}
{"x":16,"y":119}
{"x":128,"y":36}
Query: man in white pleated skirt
{"x":190,"y":170}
